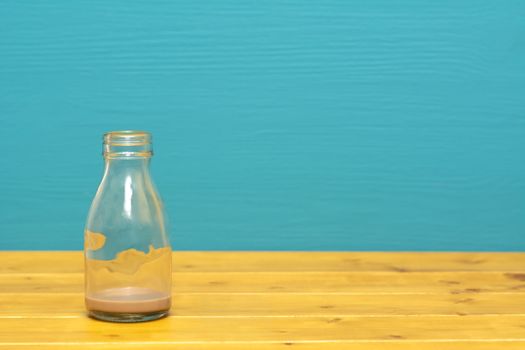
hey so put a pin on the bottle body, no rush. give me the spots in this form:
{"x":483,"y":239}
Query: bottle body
{"x":126,"y":245}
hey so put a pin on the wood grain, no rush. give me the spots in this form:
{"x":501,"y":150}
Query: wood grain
{"x":293,"y":282}
{"x":378,"y":329}
{"x":271,"y":345}
{"x":72,"y":261}
{"x":71,"y":305}
{"x":447,"y":302}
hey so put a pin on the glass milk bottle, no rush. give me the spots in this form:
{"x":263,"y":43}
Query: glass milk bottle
{"x":126,"y":247}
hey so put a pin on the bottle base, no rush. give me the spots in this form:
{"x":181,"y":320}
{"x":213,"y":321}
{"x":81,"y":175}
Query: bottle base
{"x":127,"y":317}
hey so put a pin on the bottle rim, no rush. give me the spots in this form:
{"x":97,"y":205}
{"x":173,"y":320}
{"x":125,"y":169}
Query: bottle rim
{"x":127,"y":144}
{"x":127,"y":138}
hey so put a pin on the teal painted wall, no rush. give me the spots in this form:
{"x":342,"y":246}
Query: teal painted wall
{"x":355,"y":125}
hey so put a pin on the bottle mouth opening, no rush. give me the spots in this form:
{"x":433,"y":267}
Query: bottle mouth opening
{"x":127,"y":144}
{"x":127,"y":137}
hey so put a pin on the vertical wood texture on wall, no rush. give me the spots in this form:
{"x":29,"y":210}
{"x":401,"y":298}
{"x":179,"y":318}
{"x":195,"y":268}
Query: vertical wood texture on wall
{"x":356,"y":125}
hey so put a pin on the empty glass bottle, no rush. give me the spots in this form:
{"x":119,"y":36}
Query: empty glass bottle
{"x":127,"y":251}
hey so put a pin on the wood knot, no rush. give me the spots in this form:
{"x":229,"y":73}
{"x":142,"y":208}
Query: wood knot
{"x":395,"y":336}
{"x":398,"y":269}
{"x":464,"y":301}
{"x":217,"y":283}
{"x":516,"y":276}
{"x":449,"y":282}
{"x":471,"y":261}
{"x":334,"y":320}
{"x":466,"y":290}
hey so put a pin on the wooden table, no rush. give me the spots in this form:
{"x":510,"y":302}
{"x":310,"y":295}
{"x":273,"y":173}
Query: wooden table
{"x":244,"y":300}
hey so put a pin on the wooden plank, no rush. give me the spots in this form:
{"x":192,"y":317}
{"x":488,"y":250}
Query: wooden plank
{"x":293,"y":282}
{"x":386,"y":307}
{"x":287,"y":345}
{"x":267,"y":305}
{"x":72,"y":261}
{"x":347,"y":261}
{"x":257,"y":329}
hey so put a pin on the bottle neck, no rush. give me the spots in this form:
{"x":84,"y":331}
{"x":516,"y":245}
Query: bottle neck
{"x":129,"y":166}
{"x":127,"y":144}
{"x":127,"y":154}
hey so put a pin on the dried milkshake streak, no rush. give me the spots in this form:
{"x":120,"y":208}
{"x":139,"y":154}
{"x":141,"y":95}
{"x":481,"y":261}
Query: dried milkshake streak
{"x":125,"y":289}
